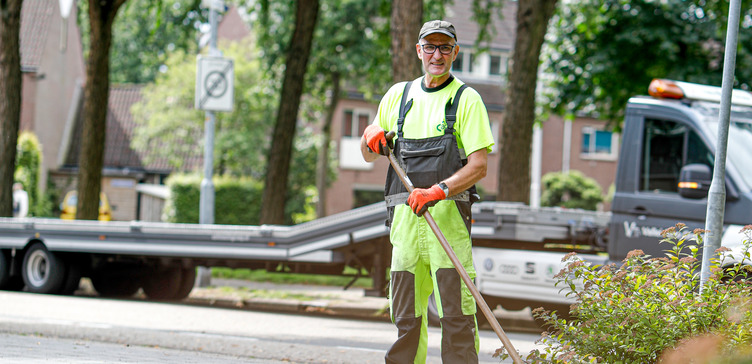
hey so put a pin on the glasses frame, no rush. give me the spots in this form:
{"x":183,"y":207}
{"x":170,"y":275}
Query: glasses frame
{"x":438,"y":47}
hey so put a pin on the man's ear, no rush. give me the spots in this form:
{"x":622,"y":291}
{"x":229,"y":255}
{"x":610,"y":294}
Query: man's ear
{"x":418,"y":50}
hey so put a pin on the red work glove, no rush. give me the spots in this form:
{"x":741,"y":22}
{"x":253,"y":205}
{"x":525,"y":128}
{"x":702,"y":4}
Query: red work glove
{"x":376,"y":139}
{"x":423,"y":198}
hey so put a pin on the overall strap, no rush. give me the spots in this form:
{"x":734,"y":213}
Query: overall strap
{"x":450,"y":112}
{"x":404,"y":108}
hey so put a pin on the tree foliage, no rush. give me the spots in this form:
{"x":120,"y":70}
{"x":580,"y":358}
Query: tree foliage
{"x":145,"y":32}
{"x":600,"y":53}
{"x":170,"y":128}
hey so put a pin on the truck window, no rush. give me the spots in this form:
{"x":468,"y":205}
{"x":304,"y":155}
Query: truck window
{"x":669,"y":145}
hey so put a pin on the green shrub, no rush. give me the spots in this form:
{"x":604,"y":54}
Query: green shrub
{"x":237,"y":201}
{"x":571,"y":190}
{"x":634,"y":312}
{"x":28,"y":169}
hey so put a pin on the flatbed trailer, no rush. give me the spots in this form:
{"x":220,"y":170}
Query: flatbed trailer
{"x":51,"y":255}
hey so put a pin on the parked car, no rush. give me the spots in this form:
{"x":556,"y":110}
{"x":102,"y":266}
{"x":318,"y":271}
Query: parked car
{"x":68,"y":207}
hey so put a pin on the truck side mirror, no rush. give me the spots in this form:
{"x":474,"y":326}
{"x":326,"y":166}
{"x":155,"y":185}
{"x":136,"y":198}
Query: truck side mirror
{"x":694,"y":181}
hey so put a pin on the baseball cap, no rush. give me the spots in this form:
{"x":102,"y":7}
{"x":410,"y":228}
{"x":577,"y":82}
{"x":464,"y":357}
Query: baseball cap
{"x":437,"y":26}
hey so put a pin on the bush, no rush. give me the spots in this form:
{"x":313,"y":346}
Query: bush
{"x":571,"y":190}
{"x":634,"y":312}
{"x":28,"y":169}
{"x":237,"y":201}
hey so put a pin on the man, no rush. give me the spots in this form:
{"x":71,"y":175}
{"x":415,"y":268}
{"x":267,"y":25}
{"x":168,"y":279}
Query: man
{"x":20,"y":201}
{"x":443,"y":137}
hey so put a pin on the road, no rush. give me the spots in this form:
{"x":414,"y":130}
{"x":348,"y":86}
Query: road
{"x":69,"y":329}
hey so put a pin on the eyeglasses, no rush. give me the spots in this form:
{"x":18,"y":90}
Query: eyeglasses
{"x":431,"y":48}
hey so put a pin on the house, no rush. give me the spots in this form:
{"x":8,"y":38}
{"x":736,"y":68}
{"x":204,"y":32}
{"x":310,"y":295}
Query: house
{"x":581,"y":144}
{"x":54,"y":76}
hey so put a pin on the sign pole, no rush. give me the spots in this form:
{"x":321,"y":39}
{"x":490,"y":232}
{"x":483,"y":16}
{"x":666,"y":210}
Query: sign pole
{"x":206,"y":204}
{"x":717,"y":194}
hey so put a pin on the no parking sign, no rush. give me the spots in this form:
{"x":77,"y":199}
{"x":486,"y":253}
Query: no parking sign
{"x":214,"y":84}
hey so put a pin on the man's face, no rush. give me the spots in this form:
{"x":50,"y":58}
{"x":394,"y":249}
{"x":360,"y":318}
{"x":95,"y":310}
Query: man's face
{"x":437,"y":64}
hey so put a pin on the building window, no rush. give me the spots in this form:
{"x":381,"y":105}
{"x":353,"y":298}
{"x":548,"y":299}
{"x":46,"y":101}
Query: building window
{"x":470,"y":63}
{"x":495,"y":65}
{"x":367,"y":197}
{"x":598,"y":143}
{"x":355,"y":122}
{"x":457,"y":65}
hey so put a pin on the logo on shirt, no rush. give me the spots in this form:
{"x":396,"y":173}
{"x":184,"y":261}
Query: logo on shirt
{"x":441,"y":126}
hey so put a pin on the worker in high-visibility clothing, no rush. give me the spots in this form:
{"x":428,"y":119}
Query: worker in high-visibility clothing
{"x":443,"y":137}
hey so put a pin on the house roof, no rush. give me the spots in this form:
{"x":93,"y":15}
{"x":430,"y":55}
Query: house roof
{"x":36,"y":17}
{"x":460,"y":14}
{"x":118,"y":153}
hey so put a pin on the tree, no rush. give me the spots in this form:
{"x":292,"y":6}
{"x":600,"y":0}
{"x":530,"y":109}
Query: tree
{"x":96,"y":94}
{"x":517,"y":129}
{"x":145,"y":32}
{"x":406,"y":20}
{"x":298,"y":53}
{"x":10,"y":98}
{"x":346,"y":44}
{"x":603,"y":52}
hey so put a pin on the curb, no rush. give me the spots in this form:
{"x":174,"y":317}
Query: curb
{"x":320,"y":307}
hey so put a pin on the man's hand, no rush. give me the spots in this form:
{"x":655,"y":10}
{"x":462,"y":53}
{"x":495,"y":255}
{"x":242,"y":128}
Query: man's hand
{"x":423,"y":198}
{"x":376,"y":139}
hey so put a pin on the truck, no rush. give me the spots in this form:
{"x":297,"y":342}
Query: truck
{"x":664,"y":170}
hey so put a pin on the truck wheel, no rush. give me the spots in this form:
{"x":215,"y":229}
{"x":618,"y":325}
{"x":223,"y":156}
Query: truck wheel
{"x":163,"y":284}
{"x":8,"y":282}
{"x":111,"y":285}
{"x":187,"y":280}
{"x":43,"y":272}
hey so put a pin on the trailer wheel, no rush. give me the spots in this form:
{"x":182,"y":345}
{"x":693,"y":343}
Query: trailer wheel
{"x":8,"y":282}
{"x":163,"y":284}
{"x":72,"y":278}
{"x":43,"y":271}
{"x":112,"y":285}
{"x":187,"y":280}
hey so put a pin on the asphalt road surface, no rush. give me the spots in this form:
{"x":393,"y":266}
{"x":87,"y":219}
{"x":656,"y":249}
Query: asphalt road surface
{"x":63,"y":329}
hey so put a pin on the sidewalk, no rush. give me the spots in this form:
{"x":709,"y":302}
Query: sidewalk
{"x":324,"y":300}
{"x":266,"y":296}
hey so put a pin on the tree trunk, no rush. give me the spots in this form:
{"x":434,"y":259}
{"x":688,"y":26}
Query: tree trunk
{"x":10,"y":98}
{"x":519,"y":115}
{"x":407,"y":18}
{"x":278,"y":166}
{"x":322,"y":165}
{"x":96,"y":94}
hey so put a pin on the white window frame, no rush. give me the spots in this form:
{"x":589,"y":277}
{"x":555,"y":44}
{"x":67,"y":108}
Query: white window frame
{"x":349,"y":145}
{"x":354,"y":122}
{"x":610,"y":156}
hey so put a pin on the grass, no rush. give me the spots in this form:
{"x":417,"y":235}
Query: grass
{"x":262,"y":275}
